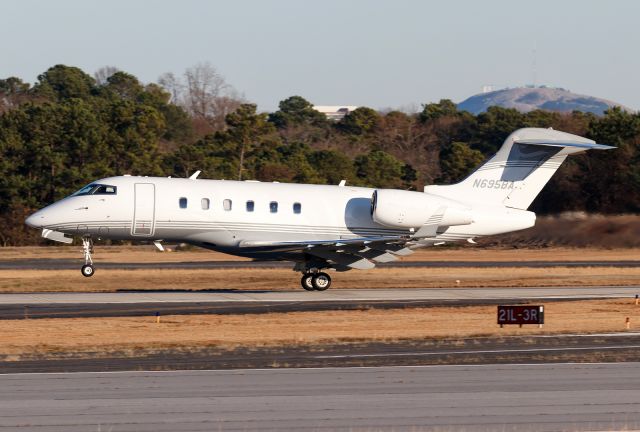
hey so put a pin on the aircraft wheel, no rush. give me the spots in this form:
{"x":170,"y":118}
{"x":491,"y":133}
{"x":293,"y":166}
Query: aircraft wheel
{"x":87,"y":270}
{"x":307,"y":282}
{"x":321,"y":281}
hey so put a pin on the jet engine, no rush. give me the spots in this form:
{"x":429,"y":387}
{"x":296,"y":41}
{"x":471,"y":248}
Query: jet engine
{"x":406,"y":209}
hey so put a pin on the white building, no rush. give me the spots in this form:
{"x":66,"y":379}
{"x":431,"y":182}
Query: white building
{"x":335,"y":112}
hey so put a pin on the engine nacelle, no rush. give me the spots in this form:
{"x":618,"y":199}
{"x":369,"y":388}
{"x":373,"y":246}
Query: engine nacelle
{"x":406,"y":209}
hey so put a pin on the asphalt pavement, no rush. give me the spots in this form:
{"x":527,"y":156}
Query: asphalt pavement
{"x":543,"y":397}
{"x":337,"y":295}
{"x":185,"y":302}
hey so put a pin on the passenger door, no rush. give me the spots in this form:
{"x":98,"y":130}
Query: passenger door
{"x":144,"y":198}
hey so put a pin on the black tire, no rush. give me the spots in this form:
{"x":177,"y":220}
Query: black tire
{"x":306,"y":282}
{"x":87,"y":270}
{"x":321,"y":281}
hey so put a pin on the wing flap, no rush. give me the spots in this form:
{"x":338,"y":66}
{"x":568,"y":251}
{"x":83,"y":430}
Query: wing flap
{"x":306,"y":245}
{"x":342,"y":254}
{"x":343,"y":258}
{"x":373,"y":254}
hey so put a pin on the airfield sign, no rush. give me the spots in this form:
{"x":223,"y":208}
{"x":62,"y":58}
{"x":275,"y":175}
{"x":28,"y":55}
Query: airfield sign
{"x":520,"y":315}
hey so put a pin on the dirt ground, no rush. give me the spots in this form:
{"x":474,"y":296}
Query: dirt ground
{"x":97,"y":336}
{"x":106,"y":280}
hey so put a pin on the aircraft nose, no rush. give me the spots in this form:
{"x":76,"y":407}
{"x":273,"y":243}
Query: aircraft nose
{"x":36,"y":220}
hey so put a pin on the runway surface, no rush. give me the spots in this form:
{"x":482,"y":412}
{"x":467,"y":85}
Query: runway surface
{"x":401,"y":294}
{"x":545,"y":397}
{"x":68,"y":264}
{"x":142,"y":303}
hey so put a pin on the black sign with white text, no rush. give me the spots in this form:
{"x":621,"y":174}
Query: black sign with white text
{"x":520,"y":315}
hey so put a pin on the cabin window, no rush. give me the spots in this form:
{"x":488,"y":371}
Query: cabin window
{"x":297,"y":208}
{"x":183,"y":203}
{"x":204,"y":202}
{"x":250,"y":206}
{"x":226,"y":204}
{"x":273,"y":207}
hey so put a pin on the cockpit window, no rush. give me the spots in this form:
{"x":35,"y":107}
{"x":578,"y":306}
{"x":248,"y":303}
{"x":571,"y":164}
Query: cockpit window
{"x":97,"y":189}
{"x":85,"y":190}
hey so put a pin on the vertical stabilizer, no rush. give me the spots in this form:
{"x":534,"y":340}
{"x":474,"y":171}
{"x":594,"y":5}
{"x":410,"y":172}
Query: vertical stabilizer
{"x":516,"y":174}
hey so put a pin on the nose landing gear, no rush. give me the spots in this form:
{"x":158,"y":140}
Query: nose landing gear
{"x":87,"y":269}
{"x":315,"y":281}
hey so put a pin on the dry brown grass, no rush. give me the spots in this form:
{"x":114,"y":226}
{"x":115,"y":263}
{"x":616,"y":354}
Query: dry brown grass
{"x":283,"y":279}
{"x":119,"y":254}
{"x":575,"y":229}
{"x":101,"y":335}
{"x":134,"y":254}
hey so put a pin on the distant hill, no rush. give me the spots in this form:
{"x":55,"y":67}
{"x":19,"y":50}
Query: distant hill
{"x":527,"y":99}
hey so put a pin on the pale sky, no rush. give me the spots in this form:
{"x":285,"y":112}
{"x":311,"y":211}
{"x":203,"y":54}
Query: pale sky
{"x":387,"y":53}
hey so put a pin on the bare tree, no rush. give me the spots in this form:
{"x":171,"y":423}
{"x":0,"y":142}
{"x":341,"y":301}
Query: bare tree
{"x":173,"y":85}
{"x":204,"y":93}
{"x":204,"y":85}
{"x":102,"y":75}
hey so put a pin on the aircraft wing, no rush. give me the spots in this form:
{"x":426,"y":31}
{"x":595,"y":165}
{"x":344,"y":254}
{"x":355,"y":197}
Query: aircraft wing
{"x":341,"y":254}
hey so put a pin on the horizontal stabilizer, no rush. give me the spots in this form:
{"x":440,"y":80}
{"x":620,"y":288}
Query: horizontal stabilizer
{"x":565,"y":143}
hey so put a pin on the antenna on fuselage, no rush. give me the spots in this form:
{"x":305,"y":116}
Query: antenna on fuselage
{"x":195,"y":175}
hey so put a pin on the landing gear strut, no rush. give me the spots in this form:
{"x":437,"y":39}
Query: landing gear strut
{"x":315,"y":281}
{"x":87,"y":269}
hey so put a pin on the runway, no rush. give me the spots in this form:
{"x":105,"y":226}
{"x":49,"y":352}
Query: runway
{"x":545,"y":397}
{"x":143,"y":303}
{"x":353,"y":295}
{"x":71,"y":264}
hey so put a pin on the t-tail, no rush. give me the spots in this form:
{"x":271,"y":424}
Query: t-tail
{"x":516,"y":174}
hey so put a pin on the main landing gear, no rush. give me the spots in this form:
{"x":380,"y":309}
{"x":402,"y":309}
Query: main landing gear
{"x":315,"y":281}
{"x":87,"y":269}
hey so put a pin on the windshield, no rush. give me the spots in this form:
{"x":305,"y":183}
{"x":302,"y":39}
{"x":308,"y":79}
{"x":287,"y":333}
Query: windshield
{"x":97,"y":189}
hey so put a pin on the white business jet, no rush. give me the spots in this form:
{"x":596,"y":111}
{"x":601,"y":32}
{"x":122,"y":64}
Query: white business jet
{"x":317,"y":227}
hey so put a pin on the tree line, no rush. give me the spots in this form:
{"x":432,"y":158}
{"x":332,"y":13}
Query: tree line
{"x":70,"y":128}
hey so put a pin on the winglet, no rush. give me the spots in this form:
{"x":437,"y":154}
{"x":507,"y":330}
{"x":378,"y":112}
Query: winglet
{"x":195,"y":175}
